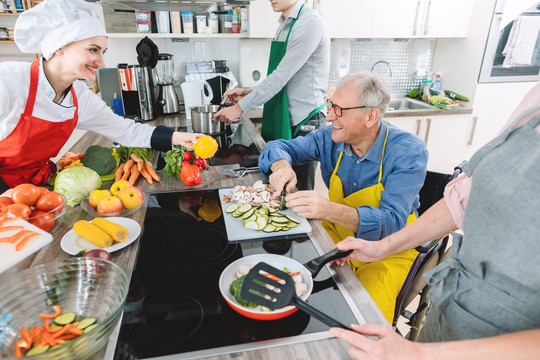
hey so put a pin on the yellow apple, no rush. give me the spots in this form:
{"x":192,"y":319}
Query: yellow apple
{"x":97,"y":195}
{"x":109,"y":204}
{"x":131,"y":197}
{"x":118,"y":186}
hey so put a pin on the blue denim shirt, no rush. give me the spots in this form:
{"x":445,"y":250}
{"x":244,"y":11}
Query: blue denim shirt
{"x":404,"y":171}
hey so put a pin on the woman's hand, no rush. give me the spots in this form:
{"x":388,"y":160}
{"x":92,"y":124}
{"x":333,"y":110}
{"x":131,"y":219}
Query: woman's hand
{"x":185,"y":139}
{"x":363,"y":250}
{"x":234,"y":95}
{"x":388,"y":345}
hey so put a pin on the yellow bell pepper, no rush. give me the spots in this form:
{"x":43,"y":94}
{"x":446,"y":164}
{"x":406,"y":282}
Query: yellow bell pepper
{"x":209,"y":211}
{"x":205,"y":147}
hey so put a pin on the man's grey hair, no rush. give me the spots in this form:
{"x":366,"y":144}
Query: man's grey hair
{"x":371,"y":90}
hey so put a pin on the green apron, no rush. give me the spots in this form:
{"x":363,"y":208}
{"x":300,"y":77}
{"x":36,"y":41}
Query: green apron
{"x":276,"y":122}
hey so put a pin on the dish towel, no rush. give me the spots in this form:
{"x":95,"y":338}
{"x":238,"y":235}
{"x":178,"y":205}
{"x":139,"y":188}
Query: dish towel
{"x":519,"y":49}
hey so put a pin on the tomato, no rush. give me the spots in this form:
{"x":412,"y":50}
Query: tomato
{"x":21,"y":210}
{"x":42,"y":219}
{"x":42,"y":190}
{"x":27,"y":194}
{"x":187,"y":156}
{"x":50,"y":201}
{"x":5,"y":200}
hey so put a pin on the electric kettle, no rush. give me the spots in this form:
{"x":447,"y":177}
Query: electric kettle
{"x":196,"y":93}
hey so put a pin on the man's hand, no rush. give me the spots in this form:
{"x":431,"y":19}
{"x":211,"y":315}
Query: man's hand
{"x":236,"y":94}
{"x":363,"y":250}
{"x":282,"y":175}
{"x":308,"y":204}
{"x":228,"y":114}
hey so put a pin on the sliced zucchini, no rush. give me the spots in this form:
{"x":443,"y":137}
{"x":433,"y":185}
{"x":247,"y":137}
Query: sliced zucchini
{"x":251,"y":225}
{"x":242,"y":209}
{"x":271,"y":210}
{"x":248,"y":213}
{"x":236,"y":213}
{"x":37,"y":349}
{"x":54,"y":326}
{"x":269,"y":228}
{"x":293,"y":219}
{"x":291,"y":224}
{"x":251,"y":218}
{"x":231,"y":208}
{"x":90,"y":328}
{"x":65,"y":319}
{"x":262,"y":221}
{"x":278,"y":228}
{"x":86,"y":323}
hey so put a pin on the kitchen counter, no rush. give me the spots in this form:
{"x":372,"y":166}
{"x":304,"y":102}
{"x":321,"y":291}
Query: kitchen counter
{"x":321,"y":349}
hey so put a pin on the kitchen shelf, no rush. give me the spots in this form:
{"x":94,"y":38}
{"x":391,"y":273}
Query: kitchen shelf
{"x":170,"y":36}
{"x":6,"y":41}
{"x":10,"y":14}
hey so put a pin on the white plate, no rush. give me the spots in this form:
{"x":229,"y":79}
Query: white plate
{"x":73,"y":243}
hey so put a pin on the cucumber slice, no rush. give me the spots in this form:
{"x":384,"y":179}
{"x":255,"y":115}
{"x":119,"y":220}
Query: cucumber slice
{"x":86,"y":323}
{"x":262,"y":222}
{"x":271,"y":210}
{"x":291,"y":224}
{"x":278,"y":228}
{"x":236,"y":214}
{"x":248,"y":213}
{"x":251,"y":218}
{"x":242,"y":209}
{"x":280,"y":221}
{"x":54,"y":326}
{"x":65,"y":319}
{"x":293,"y":219}
{"x":38,"y":349}
{"x":231,"y":208}
{"x":269,"y":228}
{"x":251,"y":225}
{"x":90,"y":328}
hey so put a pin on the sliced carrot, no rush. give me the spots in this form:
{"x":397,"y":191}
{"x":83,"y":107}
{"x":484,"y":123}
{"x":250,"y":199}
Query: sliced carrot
{"x":23,"y":344}
{"x":18,"y":236}
{"x":48,"y":338}
{"x":119,"y":172}
{"x":76,"y":331}
{"x":2,"y":222}
{"x":26,"y":336}
{"x":294,"y":273}
{"x":25,"y":240}
{"x":67,"y":337}
{"x":272,"y":277}
{"x":9,"y":228}
{"x":61,"y":331}
{"x":146,"y":175}
{"x":57,"y":311}
{"x":151,"y":171}
{"x":18,"y":351}
{"x":134,"y":175}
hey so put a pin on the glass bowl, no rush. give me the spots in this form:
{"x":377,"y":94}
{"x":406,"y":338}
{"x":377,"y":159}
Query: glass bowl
{"x":90,"y":287}
{"x":48,"y":220}
{"x":85,"y":205}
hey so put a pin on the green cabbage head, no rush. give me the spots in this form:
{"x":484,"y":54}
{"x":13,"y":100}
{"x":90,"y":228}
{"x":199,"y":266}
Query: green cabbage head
{"x":76,"y":183}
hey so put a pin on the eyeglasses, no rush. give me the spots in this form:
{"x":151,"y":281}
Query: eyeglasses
{"x":339,"y":110}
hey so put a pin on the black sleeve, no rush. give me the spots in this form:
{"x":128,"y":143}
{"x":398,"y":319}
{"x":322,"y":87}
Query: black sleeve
{"x":3,"y":186}
{"x":161,"y":138}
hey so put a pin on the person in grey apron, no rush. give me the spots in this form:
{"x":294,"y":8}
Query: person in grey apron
{"x":490,"y":288}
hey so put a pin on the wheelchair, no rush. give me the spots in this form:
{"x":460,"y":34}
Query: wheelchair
{"x":430,"y":255}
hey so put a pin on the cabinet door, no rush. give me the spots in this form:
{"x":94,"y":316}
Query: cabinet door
{"x":444,"y":18}
{"x":445,"y":137}
{"x":410,"y":124}
{"x":263,"y":21}
{"x":347,"y":18}
{"x":397,"y":18}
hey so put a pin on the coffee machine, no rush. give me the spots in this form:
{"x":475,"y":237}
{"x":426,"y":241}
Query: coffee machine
{"x":167,"y":99}
{"x":137,"y":91}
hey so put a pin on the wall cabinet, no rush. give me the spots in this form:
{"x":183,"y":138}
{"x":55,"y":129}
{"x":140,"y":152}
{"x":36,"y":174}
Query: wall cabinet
{"x":445,"y":137}
{"x":346,"y":19}
{"x":262,"y":20}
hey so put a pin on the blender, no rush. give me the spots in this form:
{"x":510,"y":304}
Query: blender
{"x":167,"y":99}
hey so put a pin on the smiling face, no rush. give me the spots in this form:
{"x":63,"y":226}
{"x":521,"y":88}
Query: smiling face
{"x":82,"y":59}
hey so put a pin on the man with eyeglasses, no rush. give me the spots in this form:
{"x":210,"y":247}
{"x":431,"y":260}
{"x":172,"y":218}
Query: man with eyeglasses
{"x":373,"y":171}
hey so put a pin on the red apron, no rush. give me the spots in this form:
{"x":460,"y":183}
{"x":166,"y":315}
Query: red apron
{"x":25,"y":153}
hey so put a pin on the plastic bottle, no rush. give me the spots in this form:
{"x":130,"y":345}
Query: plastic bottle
{"x":426,"y":93}
{"x":437,"y":83}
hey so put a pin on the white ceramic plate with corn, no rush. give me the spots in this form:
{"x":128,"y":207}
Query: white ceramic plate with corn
{"x":72,"y":243}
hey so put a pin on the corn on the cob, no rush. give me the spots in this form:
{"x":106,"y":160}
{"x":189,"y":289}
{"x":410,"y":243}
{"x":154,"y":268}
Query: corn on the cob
{"x":92,"y":233}
{"x":118,"y":232}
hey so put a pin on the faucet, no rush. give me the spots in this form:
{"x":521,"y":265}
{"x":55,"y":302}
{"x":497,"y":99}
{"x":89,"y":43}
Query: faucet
{"x":383,"y":62}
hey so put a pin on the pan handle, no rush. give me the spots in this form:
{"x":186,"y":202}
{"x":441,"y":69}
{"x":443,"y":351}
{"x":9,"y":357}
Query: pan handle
{"x":315,"y":265}
{"x":322,"y":317}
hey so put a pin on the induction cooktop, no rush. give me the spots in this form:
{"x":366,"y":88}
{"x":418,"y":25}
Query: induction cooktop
{"x":174,"y":305}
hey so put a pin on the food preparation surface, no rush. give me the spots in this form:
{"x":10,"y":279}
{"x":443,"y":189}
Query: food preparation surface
{"x":237,"y":232}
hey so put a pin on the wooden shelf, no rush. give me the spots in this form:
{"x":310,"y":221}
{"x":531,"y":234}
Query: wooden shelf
{"x":9,"y":14}
{"x":7,"y":41}
{"x":170,"y":36}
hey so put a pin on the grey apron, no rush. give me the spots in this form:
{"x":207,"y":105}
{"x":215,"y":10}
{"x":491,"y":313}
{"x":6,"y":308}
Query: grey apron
{"x":491,"y":284}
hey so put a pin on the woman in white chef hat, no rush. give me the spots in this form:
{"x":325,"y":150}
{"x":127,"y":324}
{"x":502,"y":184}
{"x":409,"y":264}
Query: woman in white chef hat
{"x":41,"y":103}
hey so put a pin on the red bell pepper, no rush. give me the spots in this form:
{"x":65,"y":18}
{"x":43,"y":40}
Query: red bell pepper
{"x":190,"y":175}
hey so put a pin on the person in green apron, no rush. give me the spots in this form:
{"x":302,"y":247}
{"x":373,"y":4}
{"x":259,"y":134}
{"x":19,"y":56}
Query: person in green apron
{"x":297,"y":79}
{"x":373,"y":171}
{"x":485,"y":298}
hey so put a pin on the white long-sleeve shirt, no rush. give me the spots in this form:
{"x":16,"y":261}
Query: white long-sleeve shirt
{"x":304,"y":69}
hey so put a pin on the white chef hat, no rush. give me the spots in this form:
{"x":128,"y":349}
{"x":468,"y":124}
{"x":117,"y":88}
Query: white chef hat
{"x":52,"y":24}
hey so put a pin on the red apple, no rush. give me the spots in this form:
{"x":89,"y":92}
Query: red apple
{"x":131,"y":197}
{"x":97,"y":195}
{"x":109,"y":204}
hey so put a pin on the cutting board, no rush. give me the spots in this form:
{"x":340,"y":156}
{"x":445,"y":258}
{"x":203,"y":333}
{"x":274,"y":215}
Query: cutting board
{"x":237,"y":232}
{"x":10,"y":257}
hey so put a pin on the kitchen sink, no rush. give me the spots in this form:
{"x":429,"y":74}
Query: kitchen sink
{"x":404,"y":104}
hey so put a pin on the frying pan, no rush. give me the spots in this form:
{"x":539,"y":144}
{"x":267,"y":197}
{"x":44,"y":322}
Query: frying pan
{"x":308,"y":272}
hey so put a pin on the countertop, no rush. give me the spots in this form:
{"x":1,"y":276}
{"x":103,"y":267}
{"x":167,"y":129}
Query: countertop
{"x":321,"y":349}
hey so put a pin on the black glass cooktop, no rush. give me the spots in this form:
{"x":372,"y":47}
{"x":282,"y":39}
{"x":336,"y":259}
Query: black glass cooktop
{"x":174,"y":305}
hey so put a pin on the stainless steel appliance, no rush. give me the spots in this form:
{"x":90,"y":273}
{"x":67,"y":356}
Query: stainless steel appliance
{"x":202,"y":122}
{"x":167,"y":99}
{"x":137,"y":91}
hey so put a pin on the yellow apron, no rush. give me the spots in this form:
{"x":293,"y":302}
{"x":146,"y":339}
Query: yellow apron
{"x":382,"y":279}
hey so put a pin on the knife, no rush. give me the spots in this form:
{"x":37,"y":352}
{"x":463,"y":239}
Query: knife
{"x":282,"y":202}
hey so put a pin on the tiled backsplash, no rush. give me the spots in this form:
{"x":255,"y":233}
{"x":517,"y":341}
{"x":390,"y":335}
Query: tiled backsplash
{"x":393,"y":60}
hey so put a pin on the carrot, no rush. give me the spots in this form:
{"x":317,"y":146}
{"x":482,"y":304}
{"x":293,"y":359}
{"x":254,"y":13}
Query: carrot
{"x":48,"y":338}
{"x":25,"y":240}
{"x":146,"y":175}
{"x":151,"y":171}
{"x":272,"y":277}
{"x":57,"y":311}
{"x":294,"y":273}
{"x":8,"y":228}
{"x":67,"y":337}
{"x":134,"y":175}
{"x":61,"y":331}
{"x":18,"y":351}
{"x":119,"y":172}
{"x":26,"y":336}
{"x":18,"y":236}
{"x":127,"y":169}
{"x":75,"y":331}
{"x":138,"y":161}
{"x":2,"y":222}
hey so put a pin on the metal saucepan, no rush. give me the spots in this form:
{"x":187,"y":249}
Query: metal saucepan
{"x":201,"y":120}
{"x":308,"y":271}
